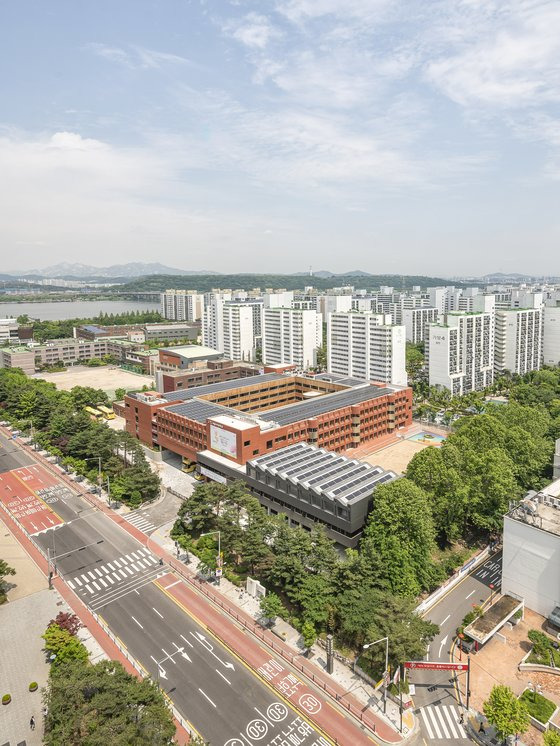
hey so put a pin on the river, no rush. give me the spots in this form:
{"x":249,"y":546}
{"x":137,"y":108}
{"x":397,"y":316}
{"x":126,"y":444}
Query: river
{"x":79,"y":309}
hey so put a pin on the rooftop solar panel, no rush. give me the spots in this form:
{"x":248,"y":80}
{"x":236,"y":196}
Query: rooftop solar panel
{"x":213,"y":388}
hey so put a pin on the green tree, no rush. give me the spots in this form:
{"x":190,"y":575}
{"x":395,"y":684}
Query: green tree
{"x":271,"y":607}
{"x":551,"y":738}
{"x":309,"y":634}
{"x":401,"y":531}
{"x":103,"y":704}
{"x":505,"y":712}
{"x":64,"y":645}
{"x":120,"y":394}
{"x":5,"y":570}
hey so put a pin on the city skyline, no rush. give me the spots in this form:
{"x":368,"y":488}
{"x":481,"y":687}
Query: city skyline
{"x":265,"y":137}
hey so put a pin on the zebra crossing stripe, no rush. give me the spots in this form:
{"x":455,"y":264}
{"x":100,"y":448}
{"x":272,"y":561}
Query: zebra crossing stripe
{"x":103,"y":583}
{"x":77,"y":580}
{"x":122,"y":572}
{"x":454,"y":726}
{"x":116,"y":576}
{"x":135,"y":566}
{"x":117,"y":563}
{"x":86,"y":579}
{"x":129,"y":571}
{"x":92,"y":576}
{"x":427,"y":723}
{"x":98,"y":571}
{"x":94,"y":584}
{"x":110,"y":566}
{"x":71,"y":584}
{"x":89,"y":589}
{"x":110,"y":579}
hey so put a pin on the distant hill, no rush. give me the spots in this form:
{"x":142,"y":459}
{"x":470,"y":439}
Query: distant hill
{"x":66,"y":270}
{"x":204,"y":283}
{"x":324,"y":273}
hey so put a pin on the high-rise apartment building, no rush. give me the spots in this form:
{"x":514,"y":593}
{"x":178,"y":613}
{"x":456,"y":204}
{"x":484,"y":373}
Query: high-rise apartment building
{"x":551,"y":335}
{"x":416,"y":322}
{"x":363,"y":345}
{"x":182,"y":305}
{"x":291,"y":336}
{"x":518,"y":340}
{"x":238,"y":331}
{"x":461,"y":352}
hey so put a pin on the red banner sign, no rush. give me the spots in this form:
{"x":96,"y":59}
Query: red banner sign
{"x":436,"y":666}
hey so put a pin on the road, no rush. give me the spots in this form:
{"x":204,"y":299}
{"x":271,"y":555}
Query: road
{"x":121,"y":580}
{"x":435,"y":697}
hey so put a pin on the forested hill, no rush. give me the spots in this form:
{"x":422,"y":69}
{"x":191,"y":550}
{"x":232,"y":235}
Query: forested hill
{"x":204,"y":283}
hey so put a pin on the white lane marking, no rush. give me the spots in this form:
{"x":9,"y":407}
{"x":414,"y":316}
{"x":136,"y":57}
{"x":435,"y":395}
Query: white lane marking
{"x":446,"y":618}
{"x":207,"y":697}
{"x":428,"y":724}
{"x":167,"y":587}
{"x":137,"y":622}
{"x":187,"y":641}
{"x":454,"y":726}
{"x":163,"y":650}
{"x":470,"y":594}
{"x":71,"y":584}
{"x":223,"y":677}
{"x":161,"y":615}
{"x":103,"y":583}
{"x":442,"y":643}
{"x":94,"y":584}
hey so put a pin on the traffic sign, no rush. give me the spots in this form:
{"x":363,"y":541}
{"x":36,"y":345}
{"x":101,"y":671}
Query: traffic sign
{"x":437,"y":666}
{"x":218,"y":572}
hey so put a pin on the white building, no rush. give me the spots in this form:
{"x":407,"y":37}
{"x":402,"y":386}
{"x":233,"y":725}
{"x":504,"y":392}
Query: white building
{"x":9,"y":331}
{"x":182,"y":305}
{"x":461,"y":352}
{"x":239,"y":342}
{"x":364,"y":345}
{"x":291,"y":337}
{"x":551,"y":335}
{"x":531,"y":554}
{"x":416,"y":321}
{"x":518,"y":340}
{"x":281,"y":299}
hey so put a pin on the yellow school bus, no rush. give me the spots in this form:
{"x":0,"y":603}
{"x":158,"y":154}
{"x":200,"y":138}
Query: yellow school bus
{"x":107,"y":412}
{"x":95,"y":414}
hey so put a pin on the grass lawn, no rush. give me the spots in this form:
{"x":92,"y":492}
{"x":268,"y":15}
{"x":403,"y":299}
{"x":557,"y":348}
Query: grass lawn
{"x":539,"y":707}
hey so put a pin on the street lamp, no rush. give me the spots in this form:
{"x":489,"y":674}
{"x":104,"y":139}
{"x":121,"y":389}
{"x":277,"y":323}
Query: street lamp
{"x":219,"y":562}
{"x":386,"y":672}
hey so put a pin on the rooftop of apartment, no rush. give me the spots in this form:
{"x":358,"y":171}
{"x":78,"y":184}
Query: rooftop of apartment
{"x":540,"y":509}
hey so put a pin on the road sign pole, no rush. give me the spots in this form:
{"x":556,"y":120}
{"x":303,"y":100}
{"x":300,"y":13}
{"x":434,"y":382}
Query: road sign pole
{"x":468,"y":681}
{"x":401,"y":684}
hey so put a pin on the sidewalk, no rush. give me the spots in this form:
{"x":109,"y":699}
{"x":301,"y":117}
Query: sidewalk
{"x":355,"y":703}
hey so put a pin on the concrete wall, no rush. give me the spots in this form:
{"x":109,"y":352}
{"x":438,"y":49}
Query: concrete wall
{"x":531,"y":565}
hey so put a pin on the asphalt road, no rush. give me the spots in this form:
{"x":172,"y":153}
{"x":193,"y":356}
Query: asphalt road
{"x":113,"y":574}
{"x":11,"y":456}
{"x":435,"y":697}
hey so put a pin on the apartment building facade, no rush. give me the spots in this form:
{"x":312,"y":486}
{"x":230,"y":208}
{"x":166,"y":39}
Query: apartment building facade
{"x":362,"y":345}
{"x":416,"y":322}
{"x":518,"y":340}
{"x":182,"y":305}
{"x":291,"y":336}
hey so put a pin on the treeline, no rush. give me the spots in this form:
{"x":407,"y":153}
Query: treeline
{"x":100,"y":703}
{"x":357,"y":598}
{"x":205,"y":283}
{"x":61,"y":425}
{"x":63,"y":328}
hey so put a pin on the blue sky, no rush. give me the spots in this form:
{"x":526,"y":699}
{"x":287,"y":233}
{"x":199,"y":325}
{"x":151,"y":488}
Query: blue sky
{"x":409,"y":137}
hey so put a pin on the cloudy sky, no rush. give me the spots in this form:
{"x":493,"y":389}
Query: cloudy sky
{"x":409,"y":136}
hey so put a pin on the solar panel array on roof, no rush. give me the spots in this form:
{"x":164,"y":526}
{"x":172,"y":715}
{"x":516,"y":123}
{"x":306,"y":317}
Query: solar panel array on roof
{"x":355,"y":479}
{"x":199,"y":410}
{"x":340,"y":379}
{"x":213,"y":388}
{"x":314,"y":407}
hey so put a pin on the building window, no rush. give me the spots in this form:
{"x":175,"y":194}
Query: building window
{"x":255,"y":452}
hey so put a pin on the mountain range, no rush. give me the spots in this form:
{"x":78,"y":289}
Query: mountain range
{"x":68,"y":270}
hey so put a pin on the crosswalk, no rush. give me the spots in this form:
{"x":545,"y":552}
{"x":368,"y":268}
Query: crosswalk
{"x":442,"y":722}
{"x":140,"y":519}
{"x":100,"y":585}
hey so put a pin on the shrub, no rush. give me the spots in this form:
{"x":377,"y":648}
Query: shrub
{"x":33,"y":686}
{"x":6,"y":699}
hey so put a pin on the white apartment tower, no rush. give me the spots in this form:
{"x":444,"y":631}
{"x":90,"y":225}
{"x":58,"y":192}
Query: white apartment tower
{"x":364,"y":345}
{"x":416,"y":322}
{"x":461,"y":352}
{"x":518,"y":340}
{"x":551,"y":335}
{"x":238,"y":331}
{"x":291,"y":337}
{"x":182,"y":305}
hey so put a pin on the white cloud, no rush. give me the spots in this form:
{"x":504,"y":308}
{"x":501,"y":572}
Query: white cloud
{"x":254,"y":30}
{"x":303,"y":10}
{"x":136,"y":57}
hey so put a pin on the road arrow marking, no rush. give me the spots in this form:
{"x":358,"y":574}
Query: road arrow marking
{"x":442,"y":643}
{"x":210,"y":648}
{"x":182,"y":651}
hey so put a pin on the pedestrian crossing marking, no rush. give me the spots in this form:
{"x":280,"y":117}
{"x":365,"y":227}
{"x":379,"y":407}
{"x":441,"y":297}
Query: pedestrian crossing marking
{"x":442,"y":722}
{"x":141,"y":521}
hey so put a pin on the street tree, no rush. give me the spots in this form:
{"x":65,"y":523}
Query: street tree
{"x":271,"y":607}
{"x":505,"y":711}
{"x":5,"y":570}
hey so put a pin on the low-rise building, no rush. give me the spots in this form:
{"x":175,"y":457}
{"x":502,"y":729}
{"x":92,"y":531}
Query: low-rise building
{"x":203,"y":373}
